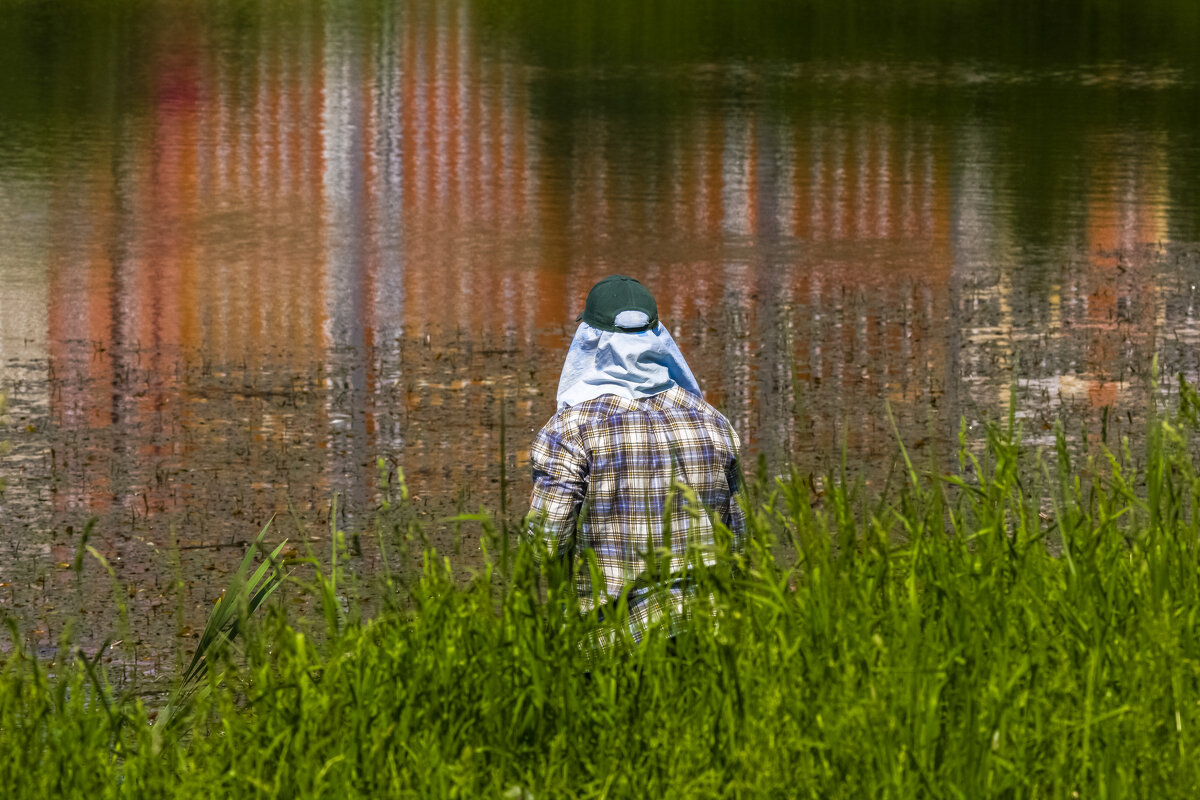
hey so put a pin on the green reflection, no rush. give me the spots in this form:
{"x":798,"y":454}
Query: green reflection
{"x":1024,"y":32}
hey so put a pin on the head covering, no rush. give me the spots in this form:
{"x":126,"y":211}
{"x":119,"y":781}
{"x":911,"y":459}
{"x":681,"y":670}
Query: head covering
{"x":634,"y":357}
{"x":614,"y":295}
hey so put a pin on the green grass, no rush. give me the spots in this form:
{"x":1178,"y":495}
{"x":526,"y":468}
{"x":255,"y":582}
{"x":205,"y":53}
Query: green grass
{"x":1027,"y":626}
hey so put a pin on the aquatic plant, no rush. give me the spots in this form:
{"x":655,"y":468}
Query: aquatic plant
{"x":5,"y":447}
{"x":1024,"y":626}
{"x":241,"y":598}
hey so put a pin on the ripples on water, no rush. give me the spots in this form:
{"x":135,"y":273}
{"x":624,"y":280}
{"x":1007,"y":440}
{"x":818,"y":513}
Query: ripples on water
{"x":247,"y":255}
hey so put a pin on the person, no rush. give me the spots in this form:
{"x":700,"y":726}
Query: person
{"x":634,"y":467}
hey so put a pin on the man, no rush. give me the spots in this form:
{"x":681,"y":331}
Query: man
{"x":635,"y":466}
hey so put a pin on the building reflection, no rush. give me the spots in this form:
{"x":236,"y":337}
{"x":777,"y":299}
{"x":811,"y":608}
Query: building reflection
{"x":367,"y":236}
{"x":190,"y":264}
{"x":1082,"y":336}
{"x":1125,"y":216}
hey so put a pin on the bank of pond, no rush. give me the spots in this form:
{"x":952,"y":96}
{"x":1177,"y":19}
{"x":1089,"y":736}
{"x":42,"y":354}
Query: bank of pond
{"x":1023,"y":625}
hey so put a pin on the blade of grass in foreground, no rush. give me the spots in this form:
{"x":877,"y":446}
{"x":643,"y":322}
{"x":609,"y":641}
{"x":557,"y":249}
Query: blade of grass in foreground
{"x":239,"y":600}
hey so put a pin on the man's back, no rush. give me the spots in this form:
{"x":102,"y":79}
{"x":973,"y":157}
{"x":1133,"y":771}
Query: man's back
{"x":627,"y":469}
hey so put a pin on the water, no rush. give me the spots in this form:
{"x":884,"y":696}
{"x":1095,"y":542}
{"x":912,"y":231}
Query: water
{"x":251,"y":249}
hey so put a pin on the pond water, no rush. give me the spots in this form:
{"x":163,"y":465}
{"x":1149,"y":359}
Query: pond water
{"x":249,"y":250}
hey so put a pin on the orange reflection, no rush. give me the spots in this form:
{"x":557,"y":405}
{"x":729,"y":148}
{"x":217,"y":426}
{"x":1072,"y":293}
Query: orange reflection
{"x":1123,"y":216}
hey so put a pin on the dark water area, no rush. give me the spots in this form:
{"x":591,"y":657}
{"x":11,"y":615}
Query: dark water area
{"x":256,"y":254}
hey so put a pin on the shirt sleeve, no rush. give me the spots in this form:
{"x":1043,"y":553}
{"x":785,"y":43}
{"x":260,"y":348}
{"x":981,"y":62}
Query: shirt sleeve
{"x":737,"y":496}
{"x":560,"y":471}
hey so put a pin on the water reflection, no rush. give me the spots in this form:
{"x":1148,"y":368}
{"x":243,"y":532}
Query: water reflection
{"x":295,"y":243}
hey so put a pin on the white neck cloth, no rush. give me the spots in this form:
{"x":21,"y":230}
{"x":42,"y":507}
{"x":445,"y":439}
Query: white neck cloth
{"x":629,"y":365}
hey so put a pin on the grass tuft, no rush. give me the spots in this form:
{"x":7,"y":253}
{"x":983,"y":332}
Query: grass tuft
{"x":1024,"y":625}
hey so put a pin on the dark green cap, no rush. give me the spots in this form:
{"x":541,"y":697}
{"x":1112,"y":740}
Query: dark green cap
{"x":615,"y":294}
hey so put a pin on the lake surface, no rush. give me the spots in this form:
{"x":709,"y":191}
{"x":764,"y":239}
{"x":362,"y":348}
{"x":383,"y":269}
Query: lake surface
{"x":249,"y":251}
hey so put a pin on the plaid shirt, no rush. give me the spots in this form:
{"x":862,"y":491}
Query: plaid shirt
{"x":627,"y":479}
